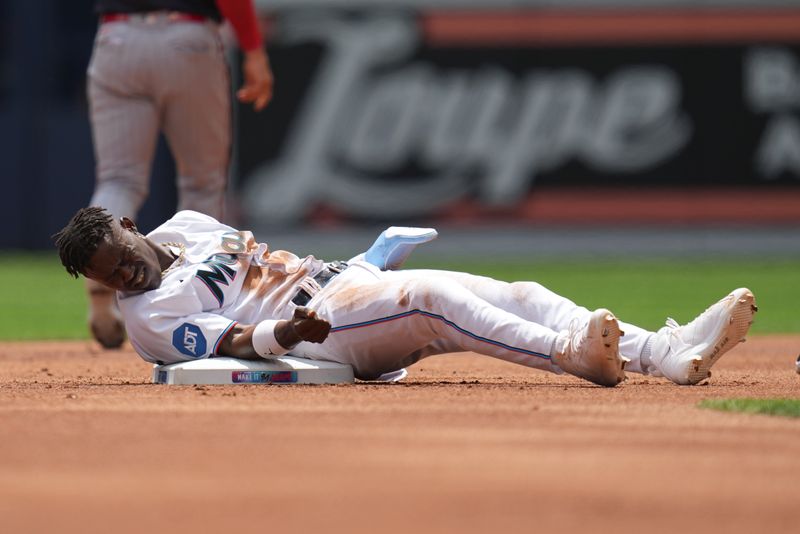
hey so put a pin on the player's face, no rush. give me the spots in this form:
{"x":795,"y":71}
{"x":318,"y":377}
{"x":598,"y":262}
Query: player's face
{"x":124,"y":261}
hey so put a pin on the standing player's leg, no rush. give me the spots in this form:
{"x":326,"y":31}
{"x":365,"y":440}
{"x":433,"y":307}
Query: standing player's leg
{"x":124,"y":130}
{"x":124,"y":118}
{"x":195,"y":96}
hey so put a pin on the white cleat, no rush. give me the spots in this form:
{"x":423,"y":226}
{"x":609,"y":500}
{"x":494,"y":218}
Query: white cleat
{"x":591,"y":351}
{"x":685,"y":354}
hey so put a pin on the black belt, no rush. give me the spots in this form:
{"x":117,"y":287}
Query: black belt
{"x":322,"y":278}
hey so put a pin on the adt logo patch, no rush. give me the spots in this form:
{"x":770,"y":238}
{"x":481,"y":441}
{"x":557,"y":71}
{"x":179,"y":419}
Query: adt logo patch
{"x":189,"y":340}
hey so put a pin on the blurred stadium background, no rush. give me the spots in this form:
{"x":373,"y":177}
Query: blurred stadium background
{"x":530,"y":129}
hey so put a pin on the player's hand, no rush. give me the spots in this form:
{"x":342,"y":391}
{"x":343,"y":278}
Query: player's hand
{"x":305,"y":325}
{"x":257,"y":88}
{"x":309,"y":326}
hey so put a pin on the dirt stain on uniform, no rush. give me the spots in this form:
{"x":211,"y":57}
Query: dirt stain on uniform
{"x":403,"y":298}
{"x":352,"y":298}
{"x":427,"y":298}
{"x":521,"y":292}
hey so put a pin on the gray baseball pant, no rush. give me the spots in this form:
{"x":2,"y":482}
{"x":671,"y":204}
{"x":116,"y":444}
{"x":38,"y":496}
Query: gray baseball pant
{"x":149,"y":74}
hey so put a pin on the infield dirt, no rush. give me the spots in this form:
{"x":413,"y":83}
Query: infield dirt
{"x":465,"y":444}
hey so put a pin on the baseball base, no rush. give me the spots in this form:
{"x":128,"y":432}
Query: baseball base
{"x":282,"y":370}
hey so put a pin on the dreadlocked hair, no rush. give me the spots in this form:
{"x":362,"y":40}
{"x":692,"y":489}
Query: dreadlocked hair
{"x":78,"y":241}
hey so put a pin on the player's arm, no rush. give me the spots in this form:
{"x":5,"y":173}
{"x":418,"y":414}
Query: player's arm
{"x":273,"y":338}
{"x":258,"y":80}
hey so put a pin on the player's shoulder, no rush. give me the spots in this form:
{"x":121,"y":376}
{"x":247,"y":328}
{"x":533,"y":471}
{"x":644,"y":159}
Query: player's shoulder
{"x":154,"y":319}
{"x":193,"y":216}
{"x":174,"y":299}
{"x":188,"y":222}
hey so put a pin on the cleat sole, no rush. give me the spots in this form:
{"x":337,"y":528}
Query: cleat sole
{"x":613,"y":371}
{"x":597,"y":358}
{"x":729,"y":337}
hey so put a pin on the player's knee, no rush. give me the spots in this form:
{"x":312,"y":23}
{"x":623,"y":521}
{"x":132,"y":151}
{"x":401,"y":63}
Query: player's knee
{"x":131,"y":176}
{"x":123,"y":185}
{"x":199,"y":181}
{"x":428,"y":295}
{"x":523,"y":292}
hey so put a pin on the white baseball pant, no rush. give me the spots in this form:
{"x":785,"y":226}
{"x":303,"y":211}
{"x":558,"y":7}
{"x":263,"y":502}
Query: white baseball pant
{"x":386,"y":320}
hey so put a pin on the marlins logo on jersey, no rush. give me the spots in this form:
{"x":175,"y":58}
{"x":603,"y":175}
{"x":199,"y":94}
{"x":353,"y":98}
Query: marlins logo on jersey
{"x":219,"y":273}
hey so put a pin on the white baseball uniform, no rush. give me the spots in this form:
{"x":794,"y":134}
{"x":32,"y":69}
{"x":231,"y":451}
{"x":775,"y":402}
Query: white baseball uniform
{"x":381,"y":321}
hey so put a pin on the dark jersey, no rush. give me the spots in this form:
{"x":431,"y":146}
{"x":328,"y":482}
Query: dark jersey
{"x":206,"y":8}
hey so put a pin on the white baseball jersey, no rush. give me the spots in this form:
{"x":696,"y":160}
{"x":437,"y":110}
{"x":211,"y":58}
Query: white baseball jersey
{"x":381,"y":321}
{"x":225,"y":277}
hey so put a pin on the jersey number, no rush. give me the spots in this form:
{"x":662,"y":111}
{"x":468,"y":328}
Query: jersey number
{"x":234,"y":243}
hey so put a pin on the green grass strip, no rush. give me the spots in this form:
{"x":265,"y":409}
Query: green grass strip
{"x":40,"y":301}
{"x":782,"y":407}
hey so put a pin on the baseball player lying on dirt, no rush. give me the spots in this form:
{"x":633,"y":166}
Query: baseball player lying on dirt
{"x":195,"y":288}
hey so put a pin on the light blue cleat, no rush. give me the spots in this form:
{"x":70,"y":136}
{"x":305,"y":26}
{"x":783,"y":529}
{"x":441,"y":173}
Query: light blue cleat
{"x":395,"y":245}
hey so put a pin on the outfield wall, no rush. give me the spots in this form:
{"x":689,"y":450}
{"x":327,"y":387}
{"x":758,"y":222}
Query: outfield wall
{"x":471,"y":110}
{"x":431,"y":111}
